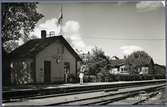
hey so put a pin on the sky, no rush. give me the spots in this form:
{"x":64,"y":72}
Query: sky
{"x":118,"y":28}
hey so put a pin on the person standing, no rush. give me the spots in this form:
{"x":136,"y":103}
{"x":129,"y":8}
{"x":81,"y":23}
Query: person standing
{"x":66,"y":75}
{"x":81,"y":75}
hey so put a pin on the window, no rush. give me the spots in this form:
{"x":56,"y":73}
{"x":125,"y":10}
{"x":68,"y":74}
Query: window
{"x":67,"y":66}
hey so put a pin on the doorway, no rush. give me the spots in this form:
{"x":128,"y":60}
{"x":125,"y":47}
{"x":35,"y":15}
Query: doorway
{"x":47,"y":71}
{"x":66,"y":71}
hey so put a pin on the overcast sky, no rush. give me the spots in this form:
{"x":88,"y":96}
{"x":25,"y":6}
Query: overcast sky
{"x":116,"y":28}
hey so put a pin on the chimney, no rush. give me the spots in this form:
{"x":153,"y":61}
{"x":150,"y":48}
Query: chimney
{"x":51,"y":33}
{"x":43,"y":34}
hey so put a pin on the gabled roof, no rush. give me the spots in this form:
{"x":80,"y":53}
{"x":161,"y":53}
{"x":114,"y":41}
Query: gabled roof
{"x":33,"y":47}
{"x":117,"y":63}
{"x":120,"y":62}
{"x":141,"y":61}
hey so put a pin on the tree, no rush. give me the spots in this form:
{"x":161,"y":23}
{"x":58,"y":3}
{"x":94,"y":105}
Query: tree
{"x":18,"y":19}
{"x":97,"y":62}
{"x":136,"y":60}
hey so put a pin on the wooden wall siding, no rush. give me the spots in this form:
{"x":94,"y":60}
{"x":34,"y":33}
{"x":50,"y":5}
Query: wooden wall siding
{"x":50,"y":53}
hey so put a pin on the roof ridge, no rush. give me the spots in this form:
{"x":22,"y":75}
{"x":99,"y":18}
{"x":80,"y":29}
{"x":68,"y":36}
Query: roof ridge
{"x":34,"y":46}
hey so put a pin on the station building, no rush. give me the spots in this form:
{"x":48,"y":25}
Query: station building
{"x":44,"y":60}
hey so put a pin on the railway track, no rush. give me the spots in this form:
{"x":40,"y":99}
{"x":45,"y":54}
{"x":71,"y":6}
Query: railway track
{"x":139,"y":98}
{"x":111,"y":97}
{"x":65,"y":94}
{"x":16,"y":95}
{"x":92,"y":98}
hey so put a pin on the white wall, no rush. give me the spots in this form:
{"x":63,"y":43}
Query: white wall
{"x":120,"y":71}
{"x":144,"y":70}
{"x":114,"y":71}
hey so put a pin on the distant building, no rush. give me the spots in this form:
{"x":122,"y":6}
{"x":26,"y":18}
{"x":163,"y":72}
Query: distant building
{"x":160,"y":69}
{"x":147,"y":67}
{"x":119,"y":66}
{"x":45,"y":60}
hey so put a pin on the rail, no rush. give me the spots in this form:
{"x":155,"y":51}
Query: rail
{"x":58,"y":91}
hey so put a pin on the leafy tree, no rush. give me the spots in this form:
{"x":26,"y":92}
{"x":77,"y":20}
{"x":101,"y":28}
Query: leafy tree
{"x":97,"y":62}
{"x":136,"y":60}
{"x":18,"y":19}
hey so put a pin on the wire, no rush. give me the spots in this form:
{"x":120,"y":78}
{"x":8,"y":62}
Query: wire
{"x":123,"y":38}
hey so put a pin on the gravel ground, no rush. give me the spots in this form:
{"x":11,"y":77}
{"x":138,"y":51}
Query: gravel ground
{"x":160,"y":98}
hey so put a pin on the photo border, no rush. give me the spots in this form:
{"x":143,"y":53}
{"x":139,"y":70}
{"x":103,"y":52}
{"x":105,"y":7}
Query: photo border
{"x":88,"y":1}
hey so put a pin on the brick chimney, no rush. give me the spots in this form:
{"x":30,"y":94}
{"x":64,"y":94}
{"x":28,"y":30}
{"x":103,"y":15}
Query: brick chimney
{"x":43,"y":34}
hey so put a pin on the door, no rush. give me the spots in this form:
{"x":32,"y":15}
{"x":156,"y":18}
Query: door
{"x":66,"y":71}
{"x":47,"y":71}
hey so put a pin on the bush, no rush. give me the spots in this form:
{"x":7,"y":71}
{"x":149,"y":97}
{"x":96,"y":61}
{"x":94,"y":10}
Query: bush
{"x":89,"y":78}
{"x":120,"y":77}
{"x":72,"y":78}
